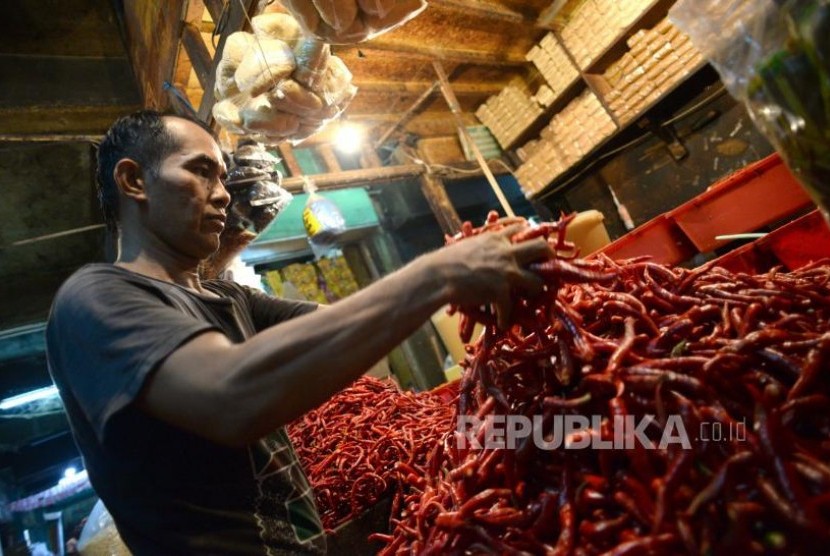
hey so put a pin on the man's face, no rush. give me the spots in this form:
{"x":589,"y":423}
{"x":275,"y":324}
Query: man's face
{"x":186,"y":199}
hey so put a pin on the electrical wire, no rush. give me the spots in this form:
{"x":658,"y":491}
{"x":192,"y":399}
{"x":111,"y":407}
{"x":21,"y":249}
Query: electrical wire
{"x":433,"y":168}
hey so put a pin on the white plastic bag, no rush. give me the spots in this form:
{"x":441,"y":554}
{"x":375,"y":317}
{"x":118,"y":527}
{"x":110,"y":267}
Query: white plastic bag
{"x":774,"y":56}
{"x":99,"y":537}
{"x":276,"y":85}
{"x":323,"y":221}
{"x":352,"y":21}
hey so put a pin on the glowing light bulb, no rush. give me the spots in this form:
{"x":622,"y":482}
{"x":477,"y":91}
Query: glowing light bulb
{"x":349,"y":138}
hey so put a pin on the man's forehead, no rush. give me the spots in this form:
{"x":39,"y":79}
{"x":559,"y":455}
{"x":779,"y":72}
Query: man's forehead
{"x":193,"y":139}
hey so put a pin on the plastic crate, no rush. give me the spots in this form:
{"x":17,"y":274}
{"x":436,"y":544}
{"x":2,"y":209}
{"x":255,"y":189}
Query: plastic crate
{"x":793,"y":245}
{"x":749,"y":199}
{"x":660,"y":238}
{"x":760,"y":194}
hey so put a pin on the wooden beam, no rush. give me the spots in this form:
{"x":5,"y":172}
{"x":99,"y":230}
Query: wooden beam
{"x":369,"y":158}
{"x":289,"y":160}
{"x":548,"y":16}
{"x":153,"y":31}
{"x":446,"y":90}
{"x":392,"y":117}
{"x":198,"y":54}
{"x":406,"y":115}
{"x":329,"y":157}
{"x":384,"y":175}
{"x":215,"y":8}
{"x":50,"y":138}
{"x":351,"y":178}
{"x":424,"y":124}
{"x":235,"y":20}
{"x":461,"y":89}
{"x":438,"y":200}
{"x":488,"y":10}
{"x":457,"y":56}
{"x":57,"y":120}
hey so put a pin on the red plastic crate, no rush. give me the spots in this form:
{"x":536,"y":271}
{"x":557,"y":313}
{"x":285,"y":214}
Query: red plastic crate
{"x":749,"y":199}
{"x":760,"y":194}
{"x":793,"y":245}
{"x":659,"y":237}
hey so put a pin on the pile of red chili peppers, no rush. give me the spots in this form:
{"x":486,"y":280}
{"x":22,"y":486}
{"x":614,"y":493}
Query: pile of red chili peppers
{"x":351,"y":445}
{"x":747,"y":355}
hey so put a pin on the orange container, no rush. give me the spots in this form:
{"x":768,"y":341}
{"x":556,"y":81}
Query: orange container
{"x":793,"y":245}
{"x":761,"y":193}
{"x":659,"y":238}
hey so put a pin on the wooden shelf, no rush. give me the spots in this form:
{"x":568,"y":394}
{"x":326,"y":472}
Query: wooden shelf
{"x":625,"y":125}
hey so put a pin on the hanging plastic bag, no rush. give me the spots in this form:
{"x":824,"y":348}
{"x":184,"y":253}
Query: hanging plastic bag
{"x":254,"y":183}
{"x":99,"y":537}
{"x":322,"y":220}
{"x":774,"y":56}
{"x":277,"y":85}
{"x":352,"y":21}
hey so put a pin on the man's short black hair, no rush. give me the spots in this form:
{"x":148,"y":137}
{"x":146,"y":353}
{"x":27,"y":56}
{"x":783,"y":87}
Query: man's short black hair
{"x":142,"y":136}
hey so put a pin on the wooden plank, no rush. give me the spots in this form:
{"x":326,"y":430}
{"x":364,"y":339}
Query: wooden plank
{"x":215,"y":8}
{"x":461,"y":89}
{"x":449,"y":55}
{"x":66,"y":81}
{"x":439,"y":202}
{"x":350,"y":178}
{"x":236,"y":20}
{"x":61,"y":119}
{"x":153,"y":31}
{"x":427,"y":124}
{"x":446,"y":90}
{"x":50,"y":137}
{"x":198,"y":54}
{"x":489,"y":10}
{"x":548,"y":15}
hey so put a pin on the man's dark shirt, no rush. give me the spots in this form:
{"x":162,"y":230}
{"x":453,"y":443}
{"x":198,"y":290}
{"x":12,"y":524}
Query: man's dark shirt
{"x":171,"y":491}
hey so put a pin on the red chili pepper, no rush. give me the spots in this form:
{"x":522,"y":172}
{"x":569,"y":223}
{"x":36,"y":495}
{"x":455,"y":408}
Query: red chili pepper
{"x":627,"y":339}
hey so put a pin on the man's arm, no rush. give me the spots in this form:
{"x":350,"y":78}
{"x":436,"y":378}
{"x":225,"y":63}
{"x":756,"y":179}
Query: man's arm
{"x":235,"y":393}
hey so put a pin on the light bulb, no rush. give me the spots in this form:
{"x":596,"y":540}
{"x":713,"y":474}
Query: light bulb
{"x":349,"y":138}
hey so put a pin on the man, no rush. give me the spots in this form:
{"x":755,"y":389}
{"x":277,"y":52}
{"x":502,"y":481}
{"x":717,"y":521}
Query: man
{"x":177,"y":389}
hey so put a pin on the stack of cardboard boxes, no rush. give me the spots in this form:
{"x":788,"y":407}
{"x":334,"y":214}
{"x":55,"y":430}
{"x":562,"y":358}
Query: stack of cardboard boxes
{"x":595,"y":24}
{"x":657,"y":59}
{"x":509,"y":113}
{"x":553,"y":63}
{"x":571,"y":134}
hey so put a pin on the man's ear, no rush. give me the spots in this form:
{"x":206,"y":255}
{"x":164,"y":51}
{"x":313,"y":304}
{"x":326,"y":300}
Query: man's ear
{"x":128,"y":177}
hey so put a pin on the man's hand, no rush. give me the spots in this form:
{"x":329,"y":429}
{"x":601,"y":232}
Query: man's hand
{"x":485,"y":268}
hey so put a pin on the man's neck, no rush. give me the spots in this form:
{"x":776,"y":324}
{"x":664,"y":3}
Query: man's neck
{"x":160,"y":265}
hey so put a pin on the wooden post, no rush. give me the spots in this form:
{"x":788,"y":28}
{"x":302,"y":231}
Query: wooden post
{"x":198,"y":53}
{"x":153,"y":30}
{"x":288,"y":158}
{"x":329,"y":158}
{"x":369,"y":158}
{"x":439,"y":202}
{"x":449,"y":96}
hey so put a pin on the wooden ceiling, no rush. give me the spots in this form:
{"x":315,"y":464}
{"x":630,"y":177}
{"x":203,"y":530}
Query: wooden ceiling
{"x":481,"y":44}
